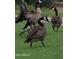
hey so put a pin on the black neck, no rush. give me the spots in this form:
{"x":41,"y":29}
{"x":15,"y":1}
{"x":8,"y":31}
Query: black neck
{"x":39,"y":22}
{"x":56,"y":11}
{"x":37,"y":5}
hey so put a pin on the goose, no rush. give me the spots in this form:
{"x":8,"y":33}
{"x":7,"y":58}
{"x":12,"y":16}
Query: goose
{"x":32,"y":20}
{"x":36,"y":33}
{"x":56,"y":20}
{"x":23,"y":13}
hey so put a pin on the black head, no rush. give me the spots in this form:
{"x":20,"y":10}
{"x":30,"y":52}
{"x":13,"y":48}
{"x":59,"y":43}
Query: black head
{"x":37,"y":3}
{"x":55,"y":9}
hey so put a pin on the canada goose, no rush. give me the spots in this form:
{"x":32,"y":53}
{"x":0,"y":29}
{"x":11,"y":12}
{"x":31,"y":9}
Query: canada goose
{"x":35,"y":14}
{"x":55,"y":20}
{"x":23,"y":13}
{"x":32,"y":20}
{"x":37,"y":33}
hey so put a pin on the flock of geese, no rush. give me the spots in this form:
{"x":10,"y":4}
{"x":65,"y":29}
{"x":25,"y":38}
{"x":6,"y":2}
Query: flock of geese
{"x":34,"y":17}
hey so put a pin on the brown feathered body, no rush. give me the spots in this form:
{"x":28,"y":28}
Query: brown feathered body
{"x":56,"y":21}
{"x":37,"y":33}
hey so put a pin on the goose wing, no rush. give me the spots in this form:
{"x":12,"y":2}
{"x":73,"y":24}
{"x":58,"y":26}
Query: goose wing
{"x":32,"y":32}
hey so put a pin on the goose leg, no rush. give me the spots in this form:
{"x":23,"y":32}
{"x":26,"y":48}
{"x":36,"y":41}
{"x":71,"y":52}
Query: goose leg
{"x":57,"y":28}
{"x":26,"y":25}
{"x":25,"y":41}
{"x":53,"y":27}
{"x":43,"y":43}
{"x":22,"y":32}
{"x":31,"y":44}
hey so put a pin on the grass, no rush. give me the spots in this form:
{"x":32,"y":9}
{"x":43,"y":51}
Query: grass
{"x":53,"y":42}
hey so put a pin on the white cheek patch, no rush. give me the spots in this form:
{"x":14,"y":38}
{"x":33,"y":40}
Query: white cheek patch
{"x":53,"y":8}
{"x":49,"y":19}
{"x":45,"y":18}
{"x":42,"y":21}
{"x":40,"y":1}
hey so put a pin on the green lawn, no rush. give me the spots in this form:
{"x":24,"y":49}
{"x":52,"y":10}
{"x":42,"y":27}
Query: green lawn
{"x":53,"y":42}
